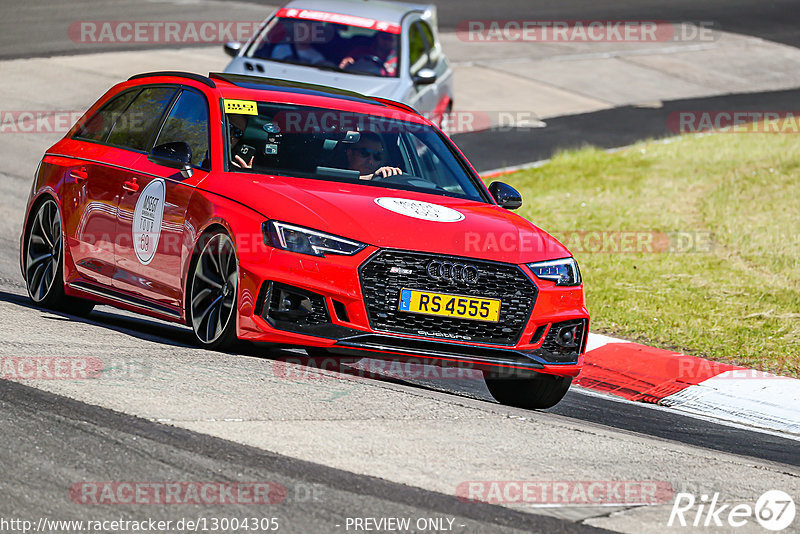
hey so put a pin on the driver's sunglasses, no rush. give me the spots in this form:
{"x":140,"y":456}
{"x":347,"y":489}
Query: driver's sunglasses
{"x":236,"y":132}
{"x":377,"y":155}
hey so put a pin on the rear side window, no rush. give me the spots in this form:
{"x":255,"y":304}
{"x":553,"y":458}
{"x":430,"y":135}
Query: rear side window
{"x":99,"y":124}
{"x":187,"y":122}
{"x":135,"y":127}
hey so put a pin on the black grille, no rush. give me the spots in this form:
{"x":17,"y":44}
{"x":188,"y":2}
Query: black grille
{"x":381,"y":288}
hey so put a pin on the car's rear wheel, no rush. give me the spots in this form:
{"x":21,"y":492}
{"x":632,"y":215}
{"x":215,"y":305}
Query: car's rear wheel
{"x":44,"y":262}
{"x":213,"y":286}
{"x":537,"y":392}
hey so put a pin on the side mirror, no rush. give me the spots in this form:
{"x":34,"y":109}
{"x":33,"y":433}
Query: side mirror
{"x":232,"y":48}
{"x":175,"y":155}
{"x":425,"y":76}
{"x":505,"y":195}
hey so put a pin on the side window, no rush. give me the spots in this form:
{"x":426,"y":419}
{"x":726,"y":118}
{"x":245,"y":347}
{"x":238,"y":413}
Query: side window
{"x":427,"y":32}
{"x":433,"y":168}
{"x":99,"y":124}
{"x":188,"y":122}
{"x":417,"y":49}
{"x":134,"y":128}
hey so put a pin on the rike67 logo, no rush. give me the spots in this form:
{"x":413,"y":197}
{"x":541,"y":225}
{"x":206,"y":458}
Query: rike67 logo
{"x":774,"y":510}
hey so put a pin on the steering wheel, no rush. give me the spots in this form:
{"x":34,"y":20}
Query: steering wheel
{"x":366,"y":63}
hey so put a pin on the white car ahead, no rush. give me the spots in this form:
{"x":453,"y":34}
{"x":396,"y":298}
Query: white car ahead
{"x":383,"y":49}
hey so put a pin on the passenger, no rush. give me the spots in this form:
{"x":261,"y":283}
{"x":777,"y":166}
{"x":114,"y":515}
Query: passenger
{"x":300,"y":49}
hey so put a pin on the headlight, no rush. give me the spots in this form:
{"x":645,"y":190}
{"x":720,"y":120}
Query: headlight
{"x":308,"y":241}
{"x":563,"y":272}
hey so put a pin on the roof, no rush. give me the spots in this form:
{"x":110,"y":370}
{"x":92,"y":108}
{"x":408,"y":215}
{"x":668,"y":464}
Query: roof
{"x":372,"y":9}
{"x":260,"y":83}
{"x":234,"y":85}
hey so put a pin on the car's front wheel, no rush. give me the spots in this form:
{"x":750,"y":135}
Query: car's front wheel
{"x":537,"y":392}
{"x":213,"y":287}
{"x":44,"y":264}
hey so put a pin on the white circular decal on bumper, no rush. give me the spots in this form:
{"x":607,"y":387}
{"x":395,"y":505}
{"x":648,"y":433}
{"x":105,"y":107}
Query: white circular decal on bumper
{"x":419,"y":210}
{"x":147,"y":219}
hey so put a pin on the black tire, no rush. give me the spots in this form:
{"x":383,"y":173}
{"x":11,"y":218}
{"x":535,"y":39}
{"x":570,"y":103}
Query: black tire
{"x":213,"y":285}
{"x":539,"y":392}
{"x":44,"y":262}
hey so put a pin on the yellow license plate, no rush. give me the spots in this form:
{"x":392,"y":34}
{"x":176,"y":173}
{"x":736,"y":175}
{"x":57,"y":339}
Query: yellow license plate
{"x":476,"y":309}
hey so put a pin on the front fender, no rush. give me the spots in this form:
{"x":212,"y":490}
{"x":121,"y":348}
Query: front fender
{"x":243,"y":224}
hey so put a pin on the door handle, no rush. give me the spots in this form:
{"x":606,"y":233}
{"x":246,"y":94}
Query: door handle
{"x":79,"y":175}
{"x":130,"y":186}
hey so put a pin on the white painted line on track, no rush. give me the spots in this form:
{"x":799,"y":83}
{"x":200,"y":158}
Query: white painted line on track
{"x":765,"y":401}
{"x":693,"y":415}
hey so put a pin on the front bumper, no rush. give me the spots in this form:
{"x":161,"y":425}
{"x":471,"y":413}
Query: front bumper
{"x":325,"y":308}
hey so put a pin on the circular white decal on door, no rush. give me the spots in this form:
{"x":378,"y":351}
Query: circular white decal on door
{"x":147,"y":219}
{"x":419,"y":210}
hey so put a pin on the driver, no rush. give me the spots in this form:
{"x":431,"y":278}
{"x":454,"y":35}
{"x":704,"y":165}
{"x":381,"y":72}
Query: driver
{"x":366,"y":157}
{"x":383,"y":47}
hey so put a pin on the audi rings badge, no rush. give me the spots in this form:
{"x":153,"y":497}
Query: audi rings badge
{"x":453,"y":272}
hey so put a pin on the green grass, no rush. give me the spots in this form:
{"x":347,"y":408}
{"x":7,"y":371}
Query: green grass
{"x":735,"y":298}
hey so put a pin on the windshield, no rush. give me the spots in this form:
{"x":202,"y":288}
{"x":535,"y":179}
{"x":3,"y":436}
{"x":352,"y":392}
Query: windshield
{"x":324,"y":144}
{"x":330,"y":41}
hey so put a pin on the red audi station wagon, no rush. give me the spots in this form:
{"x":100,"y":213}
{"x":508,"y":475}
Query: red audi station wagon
{"x":270,"y":211}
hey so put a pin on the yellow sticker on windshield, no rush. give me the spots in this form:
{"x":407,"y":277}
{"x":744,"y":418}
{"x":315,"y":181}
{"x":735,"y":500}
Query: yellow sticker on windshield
{"x":240,"y":107}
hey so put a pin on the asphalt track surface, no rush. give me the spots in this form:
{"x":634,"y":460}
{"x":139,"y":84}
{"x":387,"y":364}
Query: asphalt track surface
{"x":771,"y":20}
{"x":609,"y":128}
{"x":104,"y":445}
{"x":47,"y":439}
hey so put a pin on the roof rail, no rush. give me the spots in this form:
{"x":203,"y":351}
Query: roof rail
{"x":395,"y":104}
{"x":190,"y":75}
{"x":238,"y":79}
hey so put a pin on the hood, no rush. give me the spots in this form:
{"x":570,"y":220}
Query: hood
{"x":367,"y":85}
{"x":393,"y":218}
